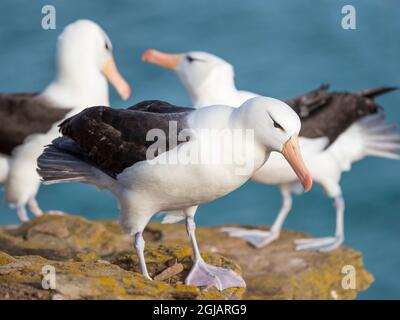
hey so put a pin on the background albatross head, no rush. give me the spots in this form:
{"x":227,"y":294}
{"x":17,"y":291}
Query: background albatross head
{"x":198,"y":71}
{"x":84,"y":59}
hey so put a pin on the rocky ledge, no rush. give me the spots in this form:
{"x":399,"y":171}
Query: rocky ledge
{"x":95,"y":260}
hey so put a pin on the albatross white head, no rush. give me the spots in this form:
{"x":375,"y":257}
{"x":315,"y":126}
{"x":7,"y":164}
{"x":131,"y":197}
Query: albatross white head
{"x":276,"y":127}
{"x":84,"y":62}
{"x":203,"y":74}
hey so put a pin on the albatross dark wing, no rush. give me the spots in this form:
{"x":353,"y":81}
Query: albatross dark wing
{"x":329,"y":114}
{"x":305,"y":104}
{"x":158,"y":106}
{"x":114,"y":139}
{"x":322,"y":113}
{"x":22,"y":114}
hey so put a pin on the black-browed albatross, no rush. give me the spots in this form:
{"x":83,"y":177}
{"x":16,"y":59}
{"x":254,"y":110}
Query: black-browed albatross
{"x":109,"y":148}
{"x":28,"y":121}
{"x":338,"y":128}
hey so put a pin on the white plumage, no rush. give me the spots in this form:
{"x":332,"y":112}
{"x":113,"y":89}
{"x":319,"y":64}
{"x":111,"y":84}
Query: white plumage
{"x":83,"y":62}
{"x":209,"y":80}
{"x":149,"y":186}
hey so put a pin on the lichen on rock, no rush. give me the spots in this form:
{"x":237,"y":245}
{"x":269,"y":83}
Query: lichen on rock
{"x":63,"y":237}
{"x":278,"y":271}
{"x":95,"y":260}
{"x":95,"y":279}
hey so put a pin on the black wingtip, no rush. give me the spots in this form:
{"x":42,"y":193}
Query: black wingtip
{"x":372,"y":93}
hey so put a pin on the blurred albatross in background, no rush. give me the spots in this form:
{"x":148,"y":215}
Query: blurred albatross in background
{"x":28,"y":121}
{"x":338,"y":128}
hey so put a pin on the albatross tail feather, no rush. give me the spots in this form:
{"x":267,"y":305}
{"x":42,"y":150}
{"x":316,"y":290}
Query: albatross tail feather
{"x":62,"y":161}
{"x":380,"y":138}
{"x":369,"y":136}
{"x":372,"y":93}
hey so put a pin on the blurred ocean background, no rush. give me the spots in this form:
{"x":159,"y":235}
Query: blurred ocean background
{"x":279,"y":48}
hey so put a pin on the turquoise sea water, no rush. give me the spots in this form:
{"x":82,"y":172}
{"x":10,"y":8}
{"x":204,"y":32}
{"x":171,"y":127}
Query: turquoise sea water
{"x":279,"y":48}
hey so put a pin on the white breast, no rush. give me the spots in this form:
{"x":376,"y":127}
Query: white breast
{"x":204,"y":169}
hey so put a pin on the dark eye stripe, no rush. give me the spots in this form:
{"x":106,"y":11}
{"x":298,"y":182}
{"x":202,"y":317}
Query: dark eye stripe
{"x":190,"y":59}
{"x":276,"y":124}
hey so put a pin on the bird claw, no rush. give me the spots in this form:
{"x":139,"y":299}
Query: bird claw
{"x":257,"y":238}
{"x":325,"y":244}
{"x":203,"y":274}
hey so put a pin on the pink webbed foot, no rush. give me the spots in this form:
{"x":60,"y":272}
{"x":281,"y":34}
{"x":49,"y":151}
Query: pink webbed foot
{"x":203,"y":274}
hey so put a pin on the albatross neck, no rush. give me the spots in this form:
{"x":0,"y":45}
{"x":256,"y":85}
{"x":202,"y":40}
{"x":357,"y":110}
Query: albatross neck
{"x":260,"y":150}
{"x":217,"y":89}
{"x":78,"y":87}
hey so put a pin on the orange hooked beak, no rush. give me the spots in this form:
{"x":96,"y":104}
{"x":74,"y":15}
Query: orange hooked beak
{"x":291,"y":152}
{"x":166,"y":60}
{"x":112,"y":74}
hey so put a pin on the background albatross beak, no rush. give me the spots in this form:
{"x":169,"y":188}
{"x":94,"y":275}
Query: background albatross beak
{"x":291,"y":152}
{"x":112,"y":74}
{"x":166,"y":60}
